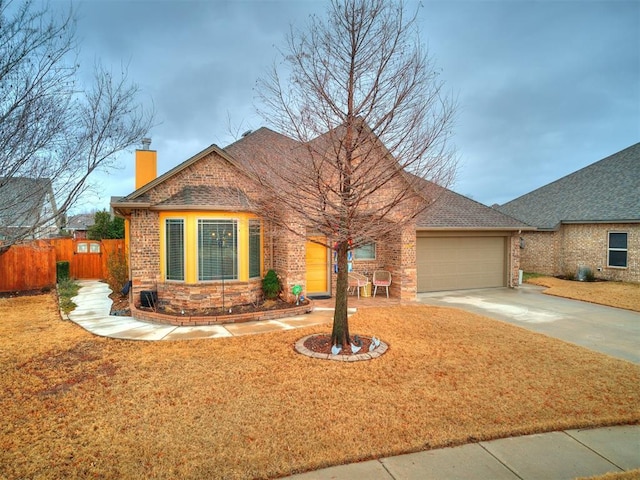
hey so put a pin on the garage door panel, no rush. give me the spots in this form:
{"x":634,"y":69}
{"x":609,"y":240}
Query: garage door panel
{"x":456,"y":263}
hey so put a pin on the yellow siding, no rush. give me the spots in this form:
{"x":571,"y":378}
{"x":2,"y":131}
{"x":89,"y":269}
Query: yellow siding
{"x":191,"y":240}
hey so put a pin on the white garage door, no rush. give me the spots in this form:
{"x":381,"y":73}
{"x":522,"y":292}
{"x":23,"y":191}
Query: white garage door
{"x":457,"y":263}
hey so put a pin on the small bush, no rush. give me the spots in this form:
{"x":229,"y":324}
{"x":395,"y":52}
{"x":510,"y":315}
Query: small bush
{"x":66,"y":290}
{"x":589,"y":276}
{"x":62,"y":271}
{"x":117,"y":270}
{"x":271,"y":285}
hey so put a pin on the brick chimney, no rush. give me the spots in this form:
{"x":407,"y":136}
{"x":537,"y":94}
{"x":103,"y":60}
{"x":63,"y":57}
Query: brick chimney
{"x":146,"y":163}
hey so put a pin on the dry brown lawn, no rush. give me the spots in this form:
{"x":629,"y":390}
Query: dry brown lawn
{"x":79,"y":406}
{"x":615,"y":294}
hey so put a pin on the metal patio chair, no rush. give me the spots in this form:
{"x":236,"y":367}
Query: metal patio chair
{"x":381,"y":278}
{"x":357,"y":280}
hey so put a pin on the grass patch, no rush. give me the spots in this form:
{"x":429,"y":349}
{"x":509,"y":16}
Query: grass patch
{"x":77,"y":406}
{"x":526,"y":276}
{"x":67,"y":289}
{"x":613,"y":294}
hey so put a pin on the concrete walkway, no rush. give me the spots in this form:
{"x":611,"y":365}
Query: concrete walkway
{"x":93,"y":307}
{"x":555,"y":455}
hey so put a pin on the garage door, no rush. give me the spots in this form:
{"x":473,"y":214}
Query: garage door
{"x":457,"y":263}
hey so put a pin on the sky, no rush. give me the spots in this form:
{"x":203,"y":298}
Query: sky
{"x":543,"y":88}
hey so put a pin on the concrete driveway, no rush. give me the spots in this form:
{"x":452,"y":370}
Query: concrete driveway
{"x":612,"y":331}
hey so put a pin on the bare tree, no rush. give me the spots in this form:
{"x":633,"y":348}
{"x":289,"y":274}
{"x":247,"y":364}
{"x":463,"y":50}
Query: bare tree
{"x":53,"y":132}
{"x":364,"y":99}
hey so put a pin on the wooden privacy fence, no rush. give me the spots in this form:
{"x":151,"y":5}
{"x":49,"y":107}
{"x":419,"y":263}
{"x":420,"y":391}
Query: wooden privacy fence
{"x":33,"y":266}
{"x":30,"y":266}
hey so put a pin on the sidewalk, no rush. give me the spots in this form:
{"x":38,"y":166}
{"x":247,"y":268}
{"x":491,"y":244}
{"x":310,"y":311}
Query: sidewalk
{"x":556,"y":455}
{"x":93,"y":307}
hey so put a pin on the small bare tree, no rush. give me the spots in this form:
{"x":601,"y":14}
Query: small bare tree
{"x":53,"y":133}
{"x":365,"y":103}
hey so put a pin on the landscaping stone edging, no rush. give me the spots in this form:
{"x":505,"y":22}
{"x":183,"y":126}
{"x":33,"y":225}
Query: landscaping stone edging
{"x":193,"y":321}
{"x":358,"y":357}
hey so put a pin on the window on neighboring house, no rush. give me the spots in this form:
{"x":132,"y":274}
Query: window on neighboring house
{"x":617,"y":249}
{"x":174,"y":240}
{"x":217,"y":250}
{"x":254,"y":248}
{"x":365,"y":252}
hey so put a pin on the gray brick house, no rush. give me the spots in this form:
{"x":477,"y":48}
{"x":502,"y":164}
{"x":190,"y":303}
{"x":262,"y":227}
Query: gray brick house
{"x":589,"y":219}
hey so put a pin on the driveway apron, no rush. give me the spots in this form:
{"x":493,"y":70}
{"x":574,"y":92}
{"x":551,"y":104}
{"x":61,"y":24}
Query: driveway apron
{"x":613,"y":331}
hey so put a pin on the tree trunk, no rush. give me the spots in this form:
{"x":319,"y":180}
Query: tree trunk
{"x":340,"y":332}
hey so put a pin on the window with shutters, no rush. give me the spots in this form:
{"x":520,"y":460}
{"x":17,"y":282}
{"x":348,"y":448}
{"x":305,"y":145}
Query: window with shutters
{"x":174,"y":235}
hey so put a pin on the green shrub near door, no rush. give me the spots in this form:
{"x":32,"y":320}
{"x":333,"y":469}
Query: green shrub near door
{"x":62,"y":271}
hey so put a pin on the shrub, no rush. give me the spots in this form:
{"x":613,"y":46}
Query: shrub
{"x":271,"y":285}
{"x":117,"y":270}
{"x":62,"y":271}
{"x":589,"y":276}
{"x":66,"y":290}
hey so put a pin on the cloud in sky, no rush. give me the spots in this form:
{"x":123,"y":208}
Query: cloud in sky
{"x":544,"y":87}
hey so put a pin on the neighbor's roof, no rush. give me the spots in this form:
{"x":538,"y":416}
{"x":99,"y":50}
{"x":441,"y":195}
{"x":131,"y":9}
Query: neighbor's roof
{"x":605,"y":191}
{"x":452,"y":211}
{"x":22,"y":200}
{"x":81,"y":221}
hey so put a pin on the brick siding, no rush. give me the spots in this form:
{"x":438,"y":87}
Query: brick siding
{"x":572,"y":246}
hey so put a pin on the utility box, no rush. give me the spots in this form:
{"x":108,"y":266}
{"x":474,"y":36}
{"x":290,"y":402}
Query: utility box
{"x":148,"y":298}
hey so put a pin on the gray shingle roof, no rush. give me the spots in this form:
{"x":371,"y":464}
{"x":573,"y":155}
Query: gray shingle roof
{"x":22,"y":200}
{"x":81,"y":221}
{"x":605,"y":191}
{"x":454,"y":211}
{"x":206,"y":195}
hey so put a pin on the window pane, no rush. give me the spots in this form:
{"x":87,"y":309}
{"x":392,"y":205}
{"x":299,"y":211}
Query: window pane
{"x":618,"y":240}
{"x":82,"y":248}
{"x":617,"y":258}
{"x":175,"y":249}
{"x":217,"y":250}
{"x":94,"y":248}
{"x":366,"y":252}
{"x":254,"y":248}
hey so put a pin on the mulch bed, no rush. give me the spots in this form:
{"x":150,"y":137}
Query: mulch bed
{"x":322,"y":344}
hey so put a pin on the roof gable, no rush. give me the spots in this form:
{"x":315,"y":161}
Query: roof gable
{"x":179,"y":168}
{"x":605,"y":191}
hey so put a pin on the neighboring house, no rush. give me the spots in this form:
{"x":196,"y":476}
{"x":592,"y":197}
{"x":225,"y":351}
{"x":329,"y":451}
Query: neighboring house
{"x":194,"y":233}
{"x":588,"y":219}
{"x":78,"y":225}
{"x":27,"y":209}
